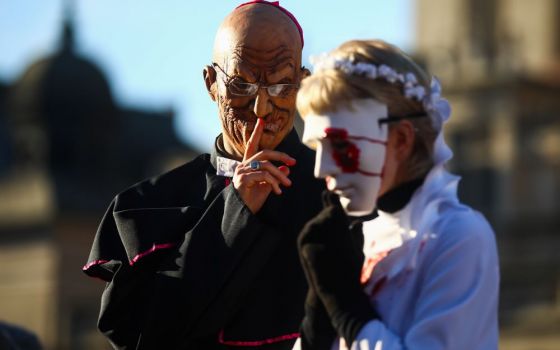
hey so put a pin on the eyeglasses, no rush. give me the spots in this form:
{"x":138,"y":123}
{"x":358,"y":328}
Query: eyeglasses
{"x":394,"y":119}
{"x":238,"y":87}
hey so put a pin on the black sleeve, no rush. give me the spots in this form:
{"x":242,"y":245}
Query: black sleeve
{"x":150,"y":216}
{"x":182,"y":293}
{"x":215,"y":265}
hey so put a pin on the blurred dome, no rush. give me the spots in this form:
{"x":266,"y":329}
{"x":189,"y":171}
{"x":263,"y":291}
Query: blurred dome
{"x":62,"y":84}
{"x":61,"y":105}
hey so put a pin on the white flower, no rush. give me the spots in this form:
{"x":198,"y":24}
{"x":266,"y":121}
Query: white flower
{"x":361,"y":67}
{"x":410,"y":78}
{"x":416,"y":92}
{"x":372,"y":72}
{"x":437,"y":107}
{"x":384,"y":71}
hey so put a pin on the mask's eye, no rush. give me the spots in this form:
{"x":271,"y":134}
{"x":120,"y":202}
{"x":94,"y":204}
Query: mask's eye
{"x":345,"y":153}
{"x":242,"y":88}
{"x":276,"y":89}
{"x":339,"y":145}
{"x":281,"y":90}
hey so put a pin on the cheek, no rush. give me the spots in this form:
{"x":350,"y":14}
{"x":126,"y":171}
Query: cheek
{"x":233,"y":112}
{"x":325,"y":166}
{"x":285,"y":104}
{"x":365,"y":184}
{"x":233,"y":121}
{"x":230,"y":106}
{"x":238,"y":102}
{"x":373,"y":157}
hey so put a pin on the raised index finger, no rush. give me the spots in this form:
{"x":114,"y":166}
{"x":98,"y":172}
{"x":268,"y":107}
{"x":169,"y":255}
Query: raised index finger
{"x":253,"y":143}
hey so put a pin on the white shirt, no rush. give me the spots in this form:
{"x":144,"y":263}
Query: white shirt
{"x":436,"y":281}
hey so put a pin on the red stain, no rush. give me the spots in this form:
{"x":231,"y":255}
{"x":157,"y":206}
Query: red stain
{"x":258,"y":343}
{"x":370,"y":263}
{"x":344,"y":152}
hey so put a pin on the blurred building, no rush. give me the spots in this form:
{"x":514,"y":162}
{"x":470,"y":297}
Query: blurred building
{"x":66,"y":148}
{"x":499,"y":62}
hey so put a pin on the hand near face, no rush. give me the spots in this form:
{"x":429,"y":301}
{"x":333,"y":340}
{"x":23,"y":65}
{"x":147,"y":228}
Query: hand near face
{"x":351,"y":147}
{"x":254,"y":186}
{"x":332,"y":258}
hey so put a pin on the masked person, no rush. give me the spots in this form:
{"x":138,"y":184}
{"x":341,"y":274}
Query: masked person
{"x":424,"y":275}
{"x":205,"y":256}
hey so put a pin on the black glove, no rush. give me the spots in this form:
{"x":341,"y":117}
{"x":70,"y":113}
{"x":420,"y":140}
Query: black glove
{"x":332,"y":262}
{"x":317,"y":332}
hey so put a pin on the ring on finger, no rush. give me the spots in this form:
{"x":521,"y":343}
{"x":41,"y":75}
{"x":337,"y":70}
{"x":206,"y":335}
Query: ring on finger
{"x":255,"y":165}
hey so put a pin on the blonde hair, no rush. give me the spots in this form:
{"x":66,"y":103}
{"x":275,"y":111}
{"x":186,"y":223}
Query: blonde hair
{"x":328,"y":90}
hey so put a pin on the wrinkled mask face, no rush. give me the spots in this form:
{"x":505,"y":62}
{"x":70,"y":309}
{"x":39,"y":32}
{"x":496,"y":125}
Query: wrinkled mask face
{"x":351,"y":146}
{"x":240,"y":106}
{"x":257,"y":60}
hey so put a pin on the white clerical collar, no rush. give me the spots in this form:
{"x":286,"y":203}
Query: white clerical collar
{"x":225,"y":166}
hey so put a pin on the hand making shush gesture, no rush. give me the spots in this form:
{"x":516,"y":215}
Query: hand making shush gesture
{"x":256,"y":176}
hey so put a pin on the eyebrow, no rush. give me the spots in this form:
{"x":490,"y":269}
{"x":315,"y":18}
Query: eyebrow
{"x":286,"y":71}
{"x":243,"y":72}
{"x":283,"y":65}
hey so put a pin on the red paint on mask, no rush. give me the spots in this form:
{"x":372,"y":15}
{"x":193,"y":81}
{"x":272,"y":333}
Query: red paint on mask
{"x":344,"y":152}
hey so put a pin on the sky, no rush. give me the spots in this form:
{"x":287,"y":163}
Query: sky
{"x":153,"y":52}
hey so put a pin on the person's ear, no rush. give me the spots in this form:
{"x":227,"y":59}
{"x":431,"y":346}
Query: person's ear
{"x":304,"y":72}
{"x":209,"y":74}
{"x":404,"y":137}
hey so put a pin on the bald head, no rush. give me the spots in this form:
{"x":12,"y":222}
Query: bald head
{"x":257,"y":27}
{"x":256,"y":44}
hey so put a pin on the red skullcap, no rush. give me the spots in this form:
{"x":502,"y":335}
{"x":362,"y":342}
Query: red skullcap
{"x":277,"y":5}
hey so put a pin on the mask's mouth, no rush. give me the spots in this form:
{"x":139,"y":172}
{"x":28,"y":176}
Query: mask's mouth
{"x":272,"y":127}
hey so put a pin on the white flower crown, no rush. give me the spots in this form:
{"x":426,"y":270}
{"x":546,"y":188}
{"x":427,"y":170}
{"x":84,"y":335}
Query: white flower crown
{"x":437,"y":108}
{"x":412,"y":89}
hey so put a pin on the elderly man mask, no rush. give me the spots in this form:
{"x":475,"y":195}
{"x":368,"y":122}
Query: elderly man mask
{"x":270,"y":57}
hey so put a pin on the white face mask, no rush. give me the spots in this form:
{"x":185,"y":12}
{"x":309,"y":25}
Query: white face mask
{"x":351,"y":145}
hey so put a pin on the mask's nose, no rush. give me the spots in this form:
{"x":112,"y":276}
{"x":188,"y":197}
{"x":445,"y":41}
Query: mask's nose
{"x":262,"y":105}
{"x":325,"y":164}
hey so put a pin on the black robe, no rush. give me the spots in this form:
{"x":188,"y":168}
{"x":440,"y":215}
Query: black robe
{"x":189,"y":266}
